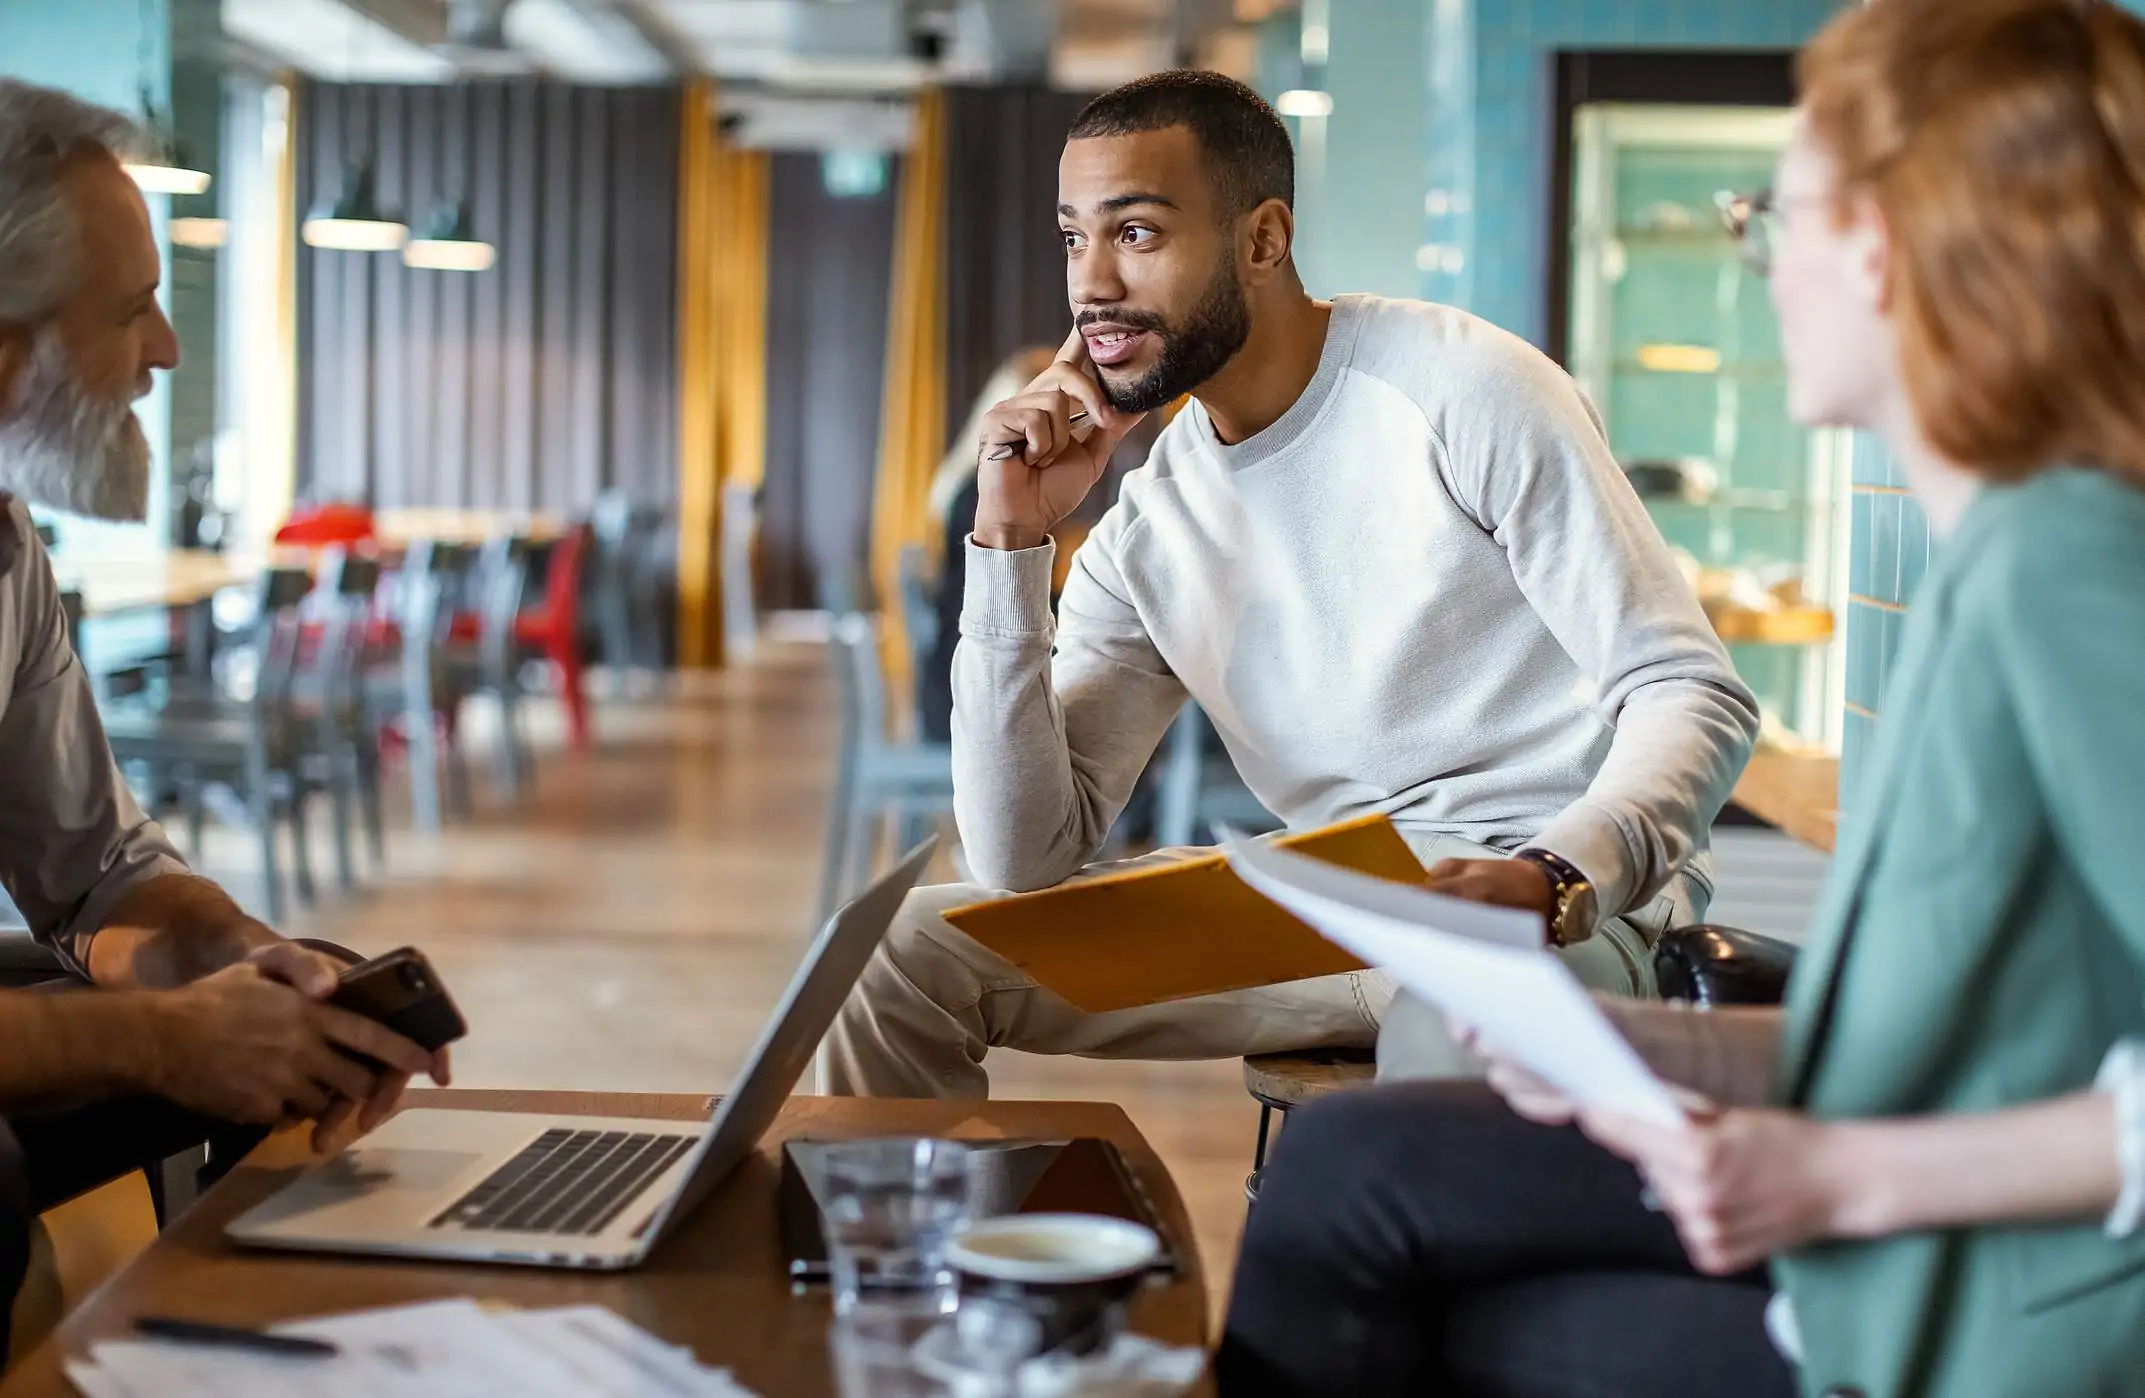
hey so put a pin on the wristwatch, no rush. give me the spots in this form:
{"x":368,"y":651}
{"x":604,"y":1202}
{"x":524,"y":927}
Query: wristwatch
{"x":1573,"y":910}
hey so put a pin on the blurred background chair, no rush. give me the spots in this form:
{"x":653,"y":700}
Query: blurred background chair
{"x":1200,"y":789}
{"x":550,"y":630}
{"x":329,"y":522}
{"x":875,"y":774}
{"x":482,"y":652}
{"x":412,"y":692}
{"x":328,"y":695}
{"x":627,"y":593}
{"x":740,"y":599}
{"x":185,"y":739}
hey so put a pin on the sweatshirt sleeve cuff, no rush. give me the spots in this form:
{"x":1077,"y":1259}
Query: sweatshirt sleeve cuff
{"x":1008,"y":591}
{"x":1592,"y":842}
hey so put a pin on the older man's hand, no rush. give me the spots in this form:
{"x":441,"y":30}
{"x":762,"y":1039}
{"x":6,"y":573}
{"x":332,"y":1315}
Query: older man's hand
{"x":317,"y":974}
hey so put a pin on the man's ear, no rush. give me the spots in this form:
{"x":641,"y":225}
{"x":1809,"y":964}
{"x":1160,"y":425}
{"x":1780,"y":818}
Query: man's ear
{"x":1270,"y":236}
{"x":14,"y":361}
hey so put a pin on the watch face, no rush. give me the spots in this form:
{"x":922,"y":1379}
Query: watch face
{"x":1576,"y":918}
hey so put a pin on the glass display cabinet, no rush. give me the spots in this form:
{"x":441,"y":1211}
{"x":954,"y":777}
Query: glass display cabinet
{"x":1674,"y":338}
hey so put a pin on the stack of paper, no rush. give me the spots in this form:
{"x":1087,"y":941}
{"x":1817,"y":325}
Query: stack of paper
{"x":1483,"y":966}
{"x":441,"y":1349}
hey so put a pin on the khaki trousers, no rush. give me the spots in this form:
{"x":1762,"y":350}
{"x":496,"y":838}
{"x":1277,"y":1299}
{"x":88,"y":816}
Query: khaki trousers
{"x":933,"y":1002}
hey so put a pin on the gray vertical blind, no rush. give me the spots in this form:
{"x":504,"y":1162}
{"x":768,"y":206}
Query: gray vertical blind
{"x":1005,"y":259}
{"x":537,"y":384}
{"x":830,"y":269}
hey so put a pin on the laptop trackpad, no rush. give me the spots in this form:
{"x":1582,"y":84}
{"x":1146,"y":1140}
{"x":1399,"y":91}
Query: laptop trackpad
{"x":383,"y":1183}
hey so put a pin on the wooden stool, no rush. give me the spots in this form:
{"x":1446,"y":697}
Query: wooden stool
{"x":1281,"y":1082}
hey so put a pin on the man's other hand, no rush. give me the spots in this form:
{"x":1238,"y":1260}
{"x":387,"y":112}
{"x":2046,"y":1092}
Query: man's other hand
{"x":1504,"y":883}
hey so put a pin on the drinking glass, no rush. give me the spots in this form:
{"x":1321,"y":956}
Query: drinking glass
{"x":888,"y":1208}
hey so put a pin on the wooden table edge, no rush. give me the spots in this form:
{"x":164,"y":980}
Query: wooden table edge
{"x":44,"y":1365}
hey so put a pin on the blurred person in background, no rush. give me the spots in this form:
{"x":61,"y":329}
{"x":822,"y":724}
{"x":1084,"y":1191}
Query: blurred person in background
{"x":953,"y":510}
{"x":1939,"y":1144}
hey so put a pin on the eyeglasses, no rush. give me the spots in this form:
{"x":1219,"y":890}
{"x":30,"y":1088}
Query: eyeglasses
{"x":1753,"y":220}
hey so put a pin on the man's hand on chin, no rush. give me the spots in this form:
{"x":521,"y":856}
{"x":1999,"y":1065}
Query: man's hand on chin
{"x":1504,"y":883}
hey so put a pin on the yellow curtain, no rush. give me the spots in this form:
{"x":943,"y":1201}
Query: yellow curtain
{"x":722,"y":360}
{"x":912,"y":406}
{"x":741,"y":315}
{"x":699,"y":485}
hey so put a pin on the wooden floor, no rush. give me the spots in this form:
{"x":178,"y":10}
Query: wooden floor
{"x":629,"y":925}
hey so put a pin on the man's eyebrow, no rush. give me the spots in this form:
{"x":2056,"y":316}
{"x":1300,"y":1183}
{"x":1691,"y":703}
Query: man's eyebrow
{"x":147,"y":291}
{"x":1118,"y":202}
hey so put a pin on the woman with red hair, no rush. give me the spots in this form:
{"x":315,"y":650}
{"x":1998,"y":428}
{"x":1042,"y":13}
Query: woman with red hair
{"x":1938,"y":1144}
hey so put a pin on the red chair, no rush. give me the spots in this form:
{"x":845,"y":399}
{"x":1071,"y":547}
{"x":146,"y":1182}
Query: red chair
{"x":315,"y":526}
{"x":554,"y":627}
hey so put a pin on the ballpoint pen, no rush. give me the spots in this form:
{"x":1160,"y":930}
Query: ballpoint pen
{"x":1007,"y":451}
{"x":201,"y":1332}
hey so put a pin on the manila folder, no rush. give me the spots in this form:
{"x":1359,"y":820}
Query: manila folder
{"x":1174,"y":931}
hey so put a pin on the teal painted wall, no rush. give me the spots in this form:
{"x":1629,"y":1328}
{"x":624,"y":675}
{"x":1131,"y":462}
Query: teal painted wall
{"x":110,"y":51}
{"x":1487,"y":143}
{"x":1371,"y":214}
{"x":102,"y":50}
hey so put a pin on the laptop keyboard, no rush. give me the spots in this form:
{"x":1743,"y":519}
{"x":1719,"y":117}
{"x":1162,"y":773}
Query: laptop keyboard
{"x":568,"y":1182}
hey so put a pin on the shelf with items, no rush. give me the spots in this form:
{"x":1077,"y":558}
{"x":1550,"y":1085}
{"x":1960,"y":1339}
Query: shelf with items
{"x":1781,"y":626}
{"x":1714,"y":239}
{"x":1726,"y":368}
{"x":1796,"y":791}
{"x":1731,"y":498}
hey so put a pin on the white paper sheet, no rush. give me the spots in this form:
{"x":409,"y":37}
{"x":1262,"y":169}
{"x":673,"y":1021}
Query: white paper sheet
{"x":609,"y":1357}
{"x":1481,"y":965}
{"x":441,"y":1349}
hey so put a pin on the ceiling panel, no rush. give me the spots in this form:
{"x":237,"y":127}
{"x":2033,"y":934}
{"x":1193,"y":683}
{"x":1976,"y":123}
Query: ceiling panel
{"x":328,"y":40}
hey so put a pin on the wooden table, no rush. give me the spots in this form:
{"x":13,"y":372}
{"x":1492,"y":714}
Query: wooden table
{"x":1798,"y":792}
{"x":170,"y":579}
{"x":719,"y":1285}
{"x":394,"y":530}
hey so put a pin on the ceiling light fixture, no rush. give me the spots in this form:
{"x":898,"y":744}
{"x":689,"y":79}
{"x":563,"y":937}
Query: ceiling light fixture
{"x":352,"y":221}
{"x":1304,"y":102}
{"x":200,"y":232}
{"x":162,"y":166}
{"x":445,"y":244}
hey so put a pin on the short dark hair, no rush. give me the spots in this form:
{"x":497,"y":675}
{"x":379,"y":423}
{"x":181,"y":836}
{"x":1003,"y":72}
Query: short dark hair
{"x":1246,"y":146}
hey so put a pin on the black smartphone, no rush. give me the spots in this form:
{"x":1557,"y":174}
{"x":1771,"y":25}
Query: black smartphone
{"x":401,"y":991}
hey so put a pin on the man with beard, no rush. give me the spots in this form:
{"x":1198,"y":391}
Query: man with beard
{"x":201,"y":1019}
{"x":1386,"y":549}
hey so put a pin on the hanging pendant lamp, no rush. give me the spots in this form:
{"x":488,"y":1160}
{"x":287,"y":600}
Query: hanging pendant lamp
{"x":445,"y":244}
{"x":162,"y":166}
{"x":352,"y":221}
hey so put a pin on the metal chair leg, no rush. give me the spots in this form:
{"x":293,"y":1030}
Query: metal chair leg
{"x":301,"y":851}
{"x":341,"y":763}
{"x":262,"y":803}
{"x":1267,"y":1112}
{"x":371,"y":799}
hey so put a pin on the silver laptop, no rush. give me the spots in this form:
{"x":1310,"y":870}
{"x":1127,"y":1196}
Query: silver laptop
{"x":588,"y":1192}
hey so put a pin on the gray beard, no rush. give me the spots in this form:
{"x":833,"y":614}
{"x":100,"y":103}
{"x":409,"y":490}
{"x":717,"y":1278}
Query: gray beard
{"x":65,"y":450}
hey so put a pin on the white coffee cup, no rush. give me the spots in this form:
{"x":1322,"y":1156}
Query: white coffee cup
{"x":1072,"y":1272}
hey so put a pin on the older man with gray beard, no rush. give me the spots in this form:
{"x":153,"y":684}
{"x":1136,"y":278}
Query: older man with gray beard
{"x":197,"y":1017}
